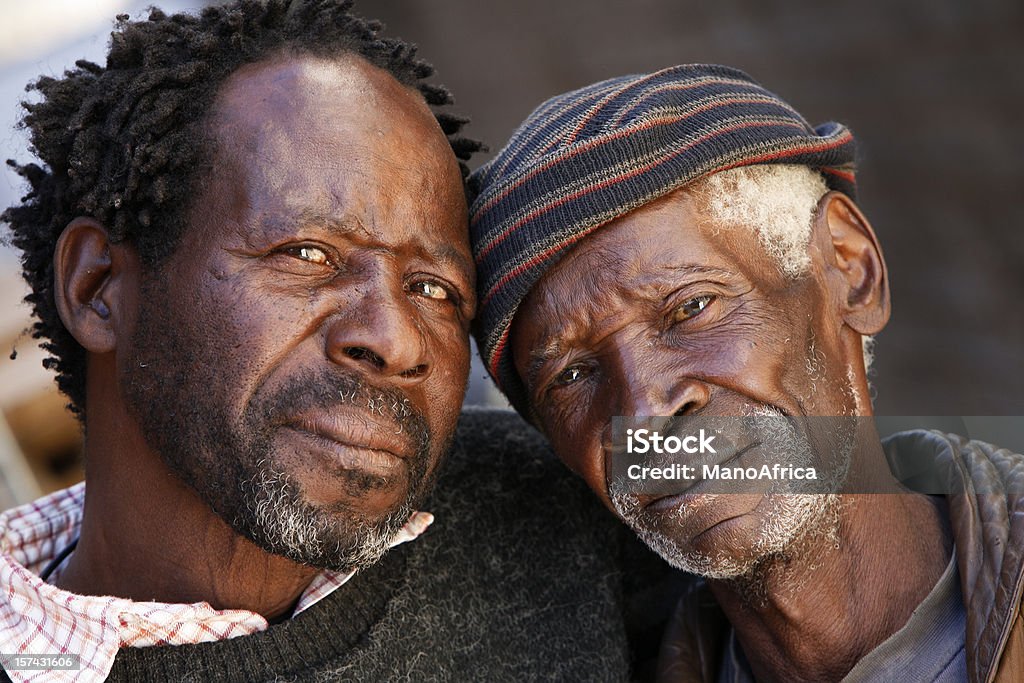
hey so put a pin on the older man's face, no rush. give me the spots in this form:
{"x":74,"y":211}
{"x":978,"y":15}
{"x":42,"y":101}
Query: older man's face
{"x":301,"y":359}
{"x":663,"y":312}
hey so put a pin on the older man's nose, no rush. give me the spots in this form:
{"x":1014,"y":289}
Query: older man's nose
{"x":380,"y":338}
{"x":664,"y":396}
{"x":646,"y":388}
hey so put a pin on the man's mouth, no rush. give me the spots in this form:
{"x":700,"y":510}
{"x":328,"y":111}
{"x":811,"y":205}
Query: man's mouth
{"x":354,"y":441}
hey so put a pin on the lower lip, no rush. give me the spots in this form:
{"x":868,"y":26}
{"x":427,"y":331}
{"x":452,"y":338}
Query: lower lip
{"x":687,"y":498}
{"x":348,"y":456}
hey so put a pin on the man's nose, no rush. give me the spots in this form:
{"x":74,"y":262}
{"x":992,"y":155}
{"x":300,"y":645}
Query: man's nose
{"x":380,"y":337}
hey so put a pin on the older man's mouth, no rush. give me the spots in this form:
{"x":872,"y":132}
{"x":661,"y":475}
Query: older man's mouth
{"x":695,"y":491}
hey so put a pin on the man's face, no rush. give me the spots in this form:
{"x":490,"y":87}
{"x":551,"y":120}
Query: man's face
{"x":663,"y":312}
{"x":301,"y":358}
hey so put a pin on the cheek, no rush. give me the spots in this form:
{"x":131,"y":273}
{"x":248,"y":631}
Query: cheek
{"x":814,"y":367}
{"x":446,"y":388}
{"x":579,"y":447}
{"x":244,"y":331}
{"x":758,"y":357}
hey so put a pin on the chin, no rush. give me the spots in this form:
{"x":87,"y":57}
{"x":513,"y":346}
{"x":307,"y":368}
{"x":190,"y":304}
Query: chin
{"x":347,"y":532}
{"x":346,"y":495}
{"x":781,"y":525}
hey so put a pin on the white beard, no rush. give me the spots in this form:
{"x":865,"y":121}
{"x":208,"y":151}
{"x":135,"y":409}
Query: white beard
{"x":789,"y":518}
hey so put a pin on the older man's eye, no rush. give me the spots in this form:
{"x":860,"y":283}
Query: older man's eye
{"x":570,"y":375}
{"x":429,"y":289}
{"x":692,"y":307}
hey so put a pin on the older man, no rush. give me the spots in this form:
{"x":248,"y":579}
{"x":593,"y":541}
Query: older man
{"x":264,"y":328}
{"x":684,"y":244}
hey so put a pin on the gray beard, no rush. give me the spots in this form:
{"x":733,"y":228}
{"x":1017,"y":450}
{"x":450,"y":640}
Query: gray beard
{"x":286,"y":525}
{"x":793,"y":518}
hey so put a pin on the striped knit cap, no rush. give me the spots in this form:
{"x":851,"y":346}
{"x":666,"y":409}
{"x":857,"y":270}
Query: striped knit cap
{"x":592,"y":155}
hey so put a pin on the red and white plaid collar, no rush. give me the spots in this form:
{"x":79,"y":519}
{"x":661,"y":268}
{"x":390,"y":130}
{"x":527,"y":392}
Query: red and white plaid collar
{"x":39,"y":619}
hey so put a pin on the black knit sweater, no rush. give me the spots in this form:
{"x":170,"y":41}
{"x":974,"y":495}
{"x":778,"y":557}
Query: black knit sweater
{"x":520,"y":578}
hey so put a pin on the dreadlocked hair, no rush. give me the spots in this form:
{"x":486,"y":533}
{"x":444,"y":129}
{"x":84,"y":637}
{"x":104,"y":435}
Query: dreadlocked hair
{"x":124,"y":143}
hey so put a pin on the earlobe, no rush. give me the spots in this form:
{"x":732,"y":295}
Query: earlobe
{"x":860,"y":270}
{"x":86,"y":284}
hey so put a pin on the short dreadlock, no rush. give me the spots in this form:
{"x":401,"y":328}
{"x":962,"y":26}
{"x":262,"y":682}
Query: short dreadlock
{"x":123,"y":143}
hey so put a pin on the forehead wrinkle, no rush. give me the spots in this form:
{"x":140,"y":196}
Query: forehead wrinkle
{"x":446,"y":254}
{"x":449,"y":255}
{"x":311,"y":218}
{"x":345,"y":225}
{"x":697,"y":269}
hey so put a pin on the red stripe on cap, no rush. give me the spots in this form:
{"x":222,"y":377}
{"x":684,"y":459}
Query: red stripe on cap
{"x":496,"y":357}
{"x":603,"y":102}
{"x":595,"y":143}
{"x":848,"y":176}
{"x":635,"y":172}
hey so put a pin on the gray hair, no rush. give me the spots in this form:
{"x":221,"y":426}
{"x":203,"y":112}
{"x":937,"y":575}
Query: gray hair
{"x":779,"y":201}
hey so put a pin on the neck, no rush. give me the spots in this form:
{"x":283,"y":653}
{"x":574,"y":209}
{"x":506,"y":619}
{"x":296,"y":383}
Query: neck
{"x":148,"y":536}
{"x":814,"y":615}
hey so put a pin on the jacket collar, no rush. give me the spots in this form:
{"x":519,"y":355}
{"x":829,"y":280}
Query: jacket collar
{"x":986,"y":509}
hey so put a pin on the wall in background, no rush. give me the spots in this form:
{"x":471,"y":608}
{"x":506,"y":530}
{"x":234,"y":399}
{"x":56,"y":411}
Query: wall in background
{"x":933,"y":89}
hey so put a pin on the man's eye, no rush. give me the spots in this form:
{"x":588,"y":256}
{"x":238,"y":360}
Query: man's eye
{"x":314,"y":255}
{"x":570,"y":375}
{"x":429,"y":289}
{"x":692,"y":308}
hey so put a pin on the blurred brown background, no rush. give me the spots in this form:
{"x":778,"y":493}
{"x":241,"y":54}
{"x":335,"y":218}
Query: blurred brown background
{"x":932,"y":88}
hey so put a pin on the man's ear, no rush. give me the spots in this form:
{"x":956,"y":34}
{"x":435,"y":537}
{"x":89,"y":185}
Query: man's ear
{"x":859,"y":268}
{"x":89,"y":274}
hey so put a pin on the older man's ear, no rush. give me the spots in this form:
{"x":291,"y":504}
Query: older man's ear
{"x":89,"y":276}
{"x":855,"y":266}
